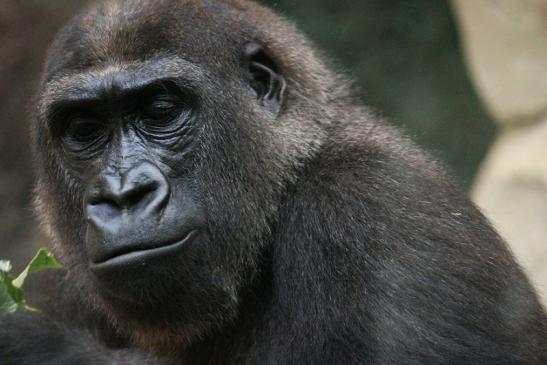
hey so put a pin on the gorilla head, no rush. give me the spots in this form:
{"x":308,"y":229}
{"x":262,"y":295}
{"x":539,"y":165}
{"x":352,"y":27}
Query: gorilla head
{"x":168,"y":134}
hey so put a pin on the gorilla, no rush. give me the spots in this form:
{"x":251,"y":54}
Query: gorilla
{"x":217,"y":195}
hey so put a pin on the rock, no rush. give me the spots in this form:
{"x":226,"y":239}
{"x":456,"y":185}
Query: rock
{"x":506,"y":48}
{"x":512,"y":191}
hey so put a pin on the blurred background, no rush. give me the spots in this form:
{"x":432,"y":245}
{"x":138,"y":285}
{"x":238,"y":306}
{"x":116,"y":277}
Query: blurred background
{"x":462,"y":78}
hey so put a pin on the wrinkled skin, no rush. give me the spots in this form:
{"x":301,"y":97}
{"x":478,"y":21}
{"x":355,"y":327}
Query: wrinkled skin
{"x":216,"y":196}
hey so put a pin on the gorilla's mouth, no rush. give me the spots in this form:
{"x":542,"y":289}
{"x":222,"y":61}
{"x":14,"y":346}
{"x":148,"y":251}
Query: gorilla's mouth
{"x":138,"y":254}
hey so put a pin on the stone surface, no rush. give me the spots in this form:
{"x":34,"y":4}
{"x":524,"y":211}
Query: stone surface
{"x":506,"y":46}
{"x":506,"y":49}
{"x":512,"y":191}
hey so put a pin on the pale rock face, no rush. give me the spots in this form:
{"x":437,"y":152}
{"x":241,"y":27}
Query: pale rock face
{"x":506,"y":49}
{"x":512,"y":191}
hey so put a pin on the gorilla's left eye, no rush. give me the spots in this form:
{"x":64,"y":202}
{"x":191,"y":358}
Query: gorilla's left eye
{"x":160,"y":109}
{"x":163,"y":116}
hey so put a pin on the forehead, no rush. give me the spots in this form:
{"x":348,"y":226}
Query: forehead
{"x":119,"y":79}
{"x":126,"y":31}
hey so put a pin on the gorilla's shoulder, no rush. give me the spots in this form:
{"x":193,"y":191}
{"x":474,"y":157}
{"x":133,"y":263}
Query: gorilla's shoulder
{"x":370,"y":150}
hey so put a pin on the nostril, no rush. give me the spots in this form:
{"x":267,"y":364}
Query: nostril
{"x":124,"y":199}
{"x":102,"y":210}
{"x":102,"y":201}
{"x":139,"y":194}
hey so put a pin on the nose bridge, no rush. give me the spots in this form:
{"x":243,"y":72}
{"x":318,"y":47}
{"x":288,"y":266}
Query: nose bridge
{"x":125,"y":152}
{"x":123,"y":156}
{"x":127,"y":174}
{"x":120,"y":181}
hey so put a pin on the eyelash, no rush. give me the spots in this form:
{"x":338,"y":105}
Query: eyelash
{"x":160,"y":108}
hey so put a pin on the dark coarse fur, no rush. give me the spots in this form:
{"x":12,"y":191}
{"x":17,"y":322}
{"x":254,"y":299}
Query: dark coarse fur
{"x":332,"y":239}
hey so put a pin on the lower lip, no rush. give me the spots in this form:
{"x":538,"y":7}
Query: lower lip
{"x":140,"y":256}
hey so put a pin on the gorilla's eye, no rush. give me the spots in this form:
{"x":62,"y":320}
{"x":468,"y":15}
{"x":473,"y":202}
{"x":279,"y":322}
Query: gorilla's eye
{"x":163,"y":115}
{"x":160,"y":108}
{"x":83,"y":129}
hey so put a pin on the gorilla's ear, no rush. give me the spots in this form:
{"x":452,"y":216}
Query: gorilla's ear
{"x":265,"y":77}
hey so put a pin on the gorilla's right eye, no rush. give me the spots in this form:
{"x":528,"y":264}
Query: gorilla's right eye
{"x":83,"y":130}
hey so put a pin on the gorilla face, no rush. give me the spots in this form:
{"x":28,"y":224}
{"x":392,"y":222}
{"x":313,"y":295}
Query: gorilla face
{"x":162,"y":160}
{"x":132,"y":137}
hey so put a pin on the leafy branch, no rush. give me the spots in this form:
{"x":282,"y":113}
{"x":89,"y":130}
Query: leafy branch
{"x":11,"y":292}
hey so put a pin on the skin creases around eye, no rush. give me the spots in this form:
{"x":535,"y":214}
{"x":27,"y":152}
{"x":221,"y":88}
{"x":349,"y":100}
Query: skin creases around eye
{"x":159,"y":107}
{"x":83,"y":132}
{"x":164,"y":116}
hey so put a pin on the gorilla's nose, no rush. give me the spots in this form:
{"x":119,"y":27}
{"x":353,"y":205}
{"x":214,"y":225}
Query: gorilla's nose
{"x":138,"y":193}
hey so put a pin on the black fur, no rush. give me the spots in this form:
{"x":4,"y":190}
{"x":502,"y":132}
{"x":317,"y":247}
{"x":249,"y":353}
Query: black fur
{"x":328,"y":238}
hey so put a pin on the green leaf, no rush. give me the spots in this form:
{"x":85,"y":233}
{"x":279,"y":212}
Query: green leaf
{"x":15,"y":293}
{"x":7,"y":304}
{"x":11,"y":294}
{"x":42,"y":261}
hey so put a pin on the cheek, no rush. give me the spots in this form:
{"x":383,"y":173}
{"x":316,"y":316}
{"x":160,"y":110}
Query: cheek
{"x":59,"y":211}
{"x":181,"y":163}
{"x":186,"y":206}
{"x":58,"y":202}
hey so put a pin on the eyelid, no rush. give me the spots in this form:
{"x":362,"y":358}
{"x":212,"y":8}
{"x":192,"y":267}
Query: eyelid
{"x":164,"y":102}
{"x":78,"y":123}
{"x":173,"y":126}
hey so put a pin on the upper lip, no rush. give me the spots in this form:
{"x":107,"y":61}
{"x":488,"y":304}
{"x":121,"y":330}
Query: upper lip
{"x":137,"y":253}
